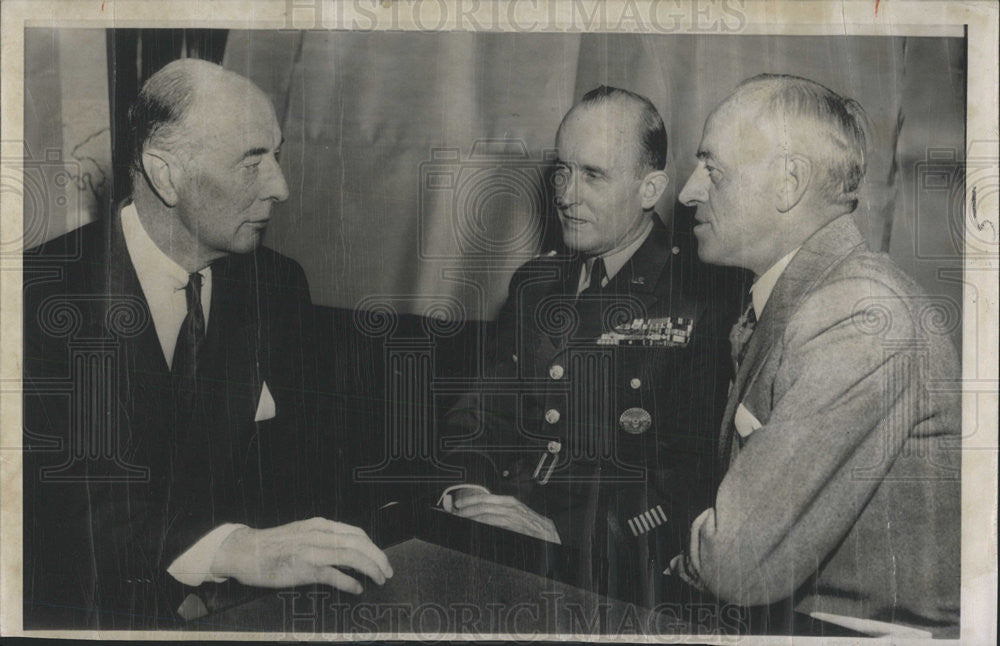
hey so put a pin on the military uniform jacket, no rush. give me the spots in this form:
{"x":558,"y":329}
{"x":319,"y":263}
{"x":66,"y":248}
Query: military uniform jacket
{"x":601,"y":412}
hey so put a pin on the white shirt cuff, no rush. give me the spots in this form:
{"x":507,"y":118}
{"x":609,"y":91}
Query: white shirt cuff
{"x":446,"y":501}
{"x":194,"y":566}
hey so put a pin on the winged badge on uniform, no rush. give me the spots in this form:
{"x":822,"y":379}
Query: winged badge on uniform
{"x":669,"y":331}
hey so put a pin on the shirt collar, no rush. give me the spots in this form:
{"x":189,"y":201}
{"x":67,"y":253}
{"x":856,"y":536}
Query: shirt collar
{"x":761,"y":289}
{"x":150,"y":262}
{"x":615,"y":261}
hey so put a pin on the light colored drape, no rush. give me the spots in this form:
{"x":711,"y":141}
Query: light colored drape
{"x":67,"y":141}
{"x":416,"y":161}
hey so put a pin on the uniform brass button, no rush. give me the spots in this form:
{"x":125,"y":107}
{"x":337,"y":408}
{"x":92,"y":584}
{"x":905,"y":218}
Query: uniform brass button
{"x":635,"y":421}
{"x":513,"y":358}
{"x":556,"y":371}
{"x":675,"y":250}
{"x":635,"y":383}
{"x":505,"y":473}
{"x":554,"y":447}
{"x":552,"y":416}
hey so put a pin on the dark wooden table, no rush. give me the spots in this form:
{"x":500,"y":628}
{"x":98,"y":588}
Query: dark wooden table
{"x":458,"y":578}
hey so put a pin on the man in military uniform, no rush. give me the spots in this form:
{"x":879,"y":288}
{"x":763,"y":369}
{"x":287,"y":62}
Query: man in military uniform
{"x":594,"y":425}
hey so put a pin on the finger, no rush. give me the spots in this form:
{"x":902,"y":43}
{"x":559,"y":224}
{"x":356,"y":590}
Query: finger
{"x":481,"y":498}
{"x":359,"y":542}
{"x":706,"y":517}
{"x":518,"y":519}
{"x":691,"y":557}
{"x":337,"y":579}
{"x":466,"y":491}
{"x":344,"y":528}
{"x":692,"y":573}
{"x":489,"y":508}
{"x":343,"y":557}
{"x":694,"y":578}
{"x":327,"y":525}
{"x":680,"y":568}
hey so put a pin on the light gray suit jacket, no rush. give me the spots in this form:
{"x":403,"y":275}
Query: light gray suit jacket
{"x":843,"y":483}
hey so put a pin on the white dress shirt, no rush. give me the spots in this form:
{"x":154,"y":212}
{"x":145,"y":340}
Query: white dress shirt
{"x":612,"y":262}
{"x":762,"y":287}
{"x":163,"y":282}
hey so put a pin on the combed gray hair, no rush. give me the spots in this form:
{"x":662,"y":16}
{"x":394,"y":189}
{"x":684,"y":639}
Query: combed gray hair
{"x":156,"y":116}
{"x":839,"y":122}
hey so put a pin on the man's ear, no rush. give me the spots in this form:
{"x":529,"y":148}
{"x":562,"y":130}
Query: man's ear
{"x":162,"y":170}
{"x":795,"y":178}
{"x":652,"y":188}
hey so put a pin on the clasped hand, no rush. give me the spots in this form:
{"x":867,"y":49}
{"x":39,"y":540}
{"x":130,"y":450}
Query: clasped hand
{"x":301,"y":553}
{"x":506,"y":512}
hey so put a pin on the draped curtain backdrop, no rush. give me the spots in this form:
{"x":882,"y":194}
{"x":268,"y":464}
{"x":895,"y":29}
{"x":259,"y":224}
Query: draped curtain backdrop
{"x":417,"y":162}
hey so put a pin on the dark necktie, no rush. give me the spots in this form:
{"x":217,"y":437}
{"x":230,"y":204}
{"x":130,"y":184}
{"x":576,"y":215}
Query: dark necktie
{"x":189,"y":341}
{"x":597,"y":273}
{"x":740,"y":335}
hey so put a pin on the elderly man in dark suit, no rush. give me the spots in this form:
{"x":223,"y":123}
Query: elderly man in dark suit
{"x":595,"y":426}
{"x":841,"y":490}
{"x":171,"y":440}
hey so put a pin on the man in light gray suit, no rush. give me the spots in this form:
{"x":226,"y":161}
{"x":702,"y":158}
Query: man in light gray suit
{"x":840,"y":441}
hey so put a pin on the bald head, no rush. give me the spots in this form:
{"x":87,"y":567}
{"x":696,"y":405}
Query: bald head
{"x":645,"y":135}
{"x":802,"y":116}
{"x":608,"y":177}
{"x":778,"y":160}
{"x":165,"y":114}
{"x":205,"y":162}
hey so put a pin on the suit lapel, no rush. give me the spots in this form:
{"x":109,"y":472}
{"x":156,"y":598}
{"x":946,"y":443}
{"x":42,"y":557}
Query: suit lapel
{"x":120,"y":280}
{"x":143,"y":419}
{"x":817,"y":256}
{"x":232,"y":363}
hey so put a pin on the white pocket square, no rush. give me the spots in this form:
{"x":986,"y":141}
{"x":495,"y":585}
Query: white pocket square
{"x":265,"y":406}
{"x":745,"y":422}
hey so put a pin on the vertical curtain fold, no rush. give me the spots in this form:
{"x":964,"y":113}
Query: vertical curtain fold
{"x":418,"y":162}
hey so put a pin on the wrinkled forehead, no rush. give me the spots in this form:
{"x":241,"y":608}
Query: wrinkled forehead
{"x":233,"y":117}
{"x":738,"y":130}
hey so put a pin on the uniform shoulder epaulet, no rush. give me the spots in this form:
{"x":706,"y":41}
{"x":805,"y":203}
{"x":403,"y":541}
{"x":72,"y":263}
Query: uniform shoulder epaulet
{"x":538,"y":261}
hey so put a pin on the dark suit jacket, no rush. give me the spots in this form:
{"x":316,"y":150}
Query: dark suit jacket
{"x":549,"y":379}
{"x":846,"y":498}
{"x":117,"y":481}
